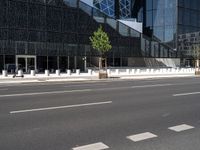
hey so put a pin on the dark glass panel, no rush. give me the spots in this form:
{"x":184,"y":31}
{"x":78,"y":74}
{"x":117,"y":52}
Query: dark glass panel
{"x":54,"y":18}
{"x":1,"y":63}
{"x":38,"y":1}
{"x":4,"y":13}
{"x":69,"y":20}
{"x":37,"y":17}
{"x":18,"y":14}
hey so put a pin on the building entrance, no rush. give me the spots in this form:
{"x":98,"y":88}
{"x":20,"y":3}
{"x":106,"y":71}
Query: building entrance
{"x":26,"y":62}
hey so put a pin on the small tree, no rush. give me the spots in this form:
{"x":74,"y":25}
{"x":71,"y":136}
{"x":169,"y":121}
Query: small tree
{"x":100,"y":41}
{"x":196,"y":55}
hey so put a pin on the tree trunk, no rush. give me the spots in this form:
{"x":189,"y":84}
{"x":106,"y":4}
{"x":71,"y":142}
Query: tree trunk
{"x":106,"y":66}
{"x":100,"y":63}
{"x":197,"y":63}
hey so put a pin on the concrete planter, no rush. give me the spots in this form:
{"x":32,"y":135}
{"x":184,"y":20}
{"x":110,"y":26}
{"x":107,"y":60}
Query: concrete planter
{"x":197,"y":72}
{"x":46,"y":72}
{"x":32,"y":72}
{"x":4,"y":73}
{"x":103,"y":75}
{"x":58,"y":72}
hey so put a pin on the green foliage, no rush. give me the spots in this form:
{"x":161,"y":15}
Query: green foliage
{"x":100,"y":41}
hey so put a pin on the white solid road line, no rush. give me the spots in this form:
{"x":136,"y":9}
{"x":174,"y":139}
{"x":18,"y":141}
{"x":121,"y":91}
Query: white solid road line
{"x":186,"y":94}
{"x":151,"y":85}
{"x":43,"y":93}
{"x":141,"y":136}
{"x":180,"y":128}
{"x":95,"y":146}
{"x":60,"y":107}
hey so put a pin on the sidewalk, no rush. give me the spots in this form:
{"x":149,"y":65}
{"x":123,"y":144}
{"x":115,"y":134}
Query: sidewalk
{"x":39,"y":78}
{"x":42,"y":78}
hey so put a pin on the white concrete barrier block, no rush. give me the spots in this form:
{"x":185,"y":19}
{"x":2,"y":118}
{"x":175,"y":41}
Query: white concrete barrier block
{"x":95,"y":73}
{"x":4,"y":73}
{"x":152,"y":71}
{"x":58,"y":72}
{"x":109,"y":71}
{"x":138,"y":71}
{"x":32,"y":72}
{"x":173,"y":70}
{"x":77,"y":71}
{"x":117,"y":71}
{"x":157,"y":71}
{"x":164,"y":70}
{"x":68,"y":72}
{"x":147,"y":71}
{"x":20,"y":73}
{"x":127,"y":71}
{"x":46,"y":72}
{"x":169,"y":70}
{"x":181,"y":70}
{"x":133,"y":71}
{"x":89,"y":71}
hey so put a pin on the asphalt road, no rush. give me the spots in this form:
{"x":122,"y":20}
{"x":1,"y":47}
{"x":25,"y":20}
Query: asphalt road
{"x":113,"y":114}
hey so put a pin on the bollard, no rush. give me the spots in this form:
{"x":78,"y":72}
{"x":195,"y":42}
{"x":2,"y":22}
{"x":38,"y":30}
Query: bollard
{"x":152,"y":71}
{"x":89,"y":71}
{"x":46,"y":72}
{"x":4,"y":73}
{"x":132,"y":71}
{"x":127,"y":71}
{"x":77,"y":71}
{"x":32,"y":72}
{"x":117,"y":71}
{"x":20,"y":73}
{"x":58,"y":72}
{"x":138,"y":71}
{"x":68,"y":72}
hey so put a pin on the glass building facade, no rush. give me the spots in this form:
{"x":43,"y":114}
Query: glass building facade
{"x":109,"y":7}
{"x":188,"y":16}
{"x":167,"y":20}
{"x":160,"y":20}
{"x":54,"y":34}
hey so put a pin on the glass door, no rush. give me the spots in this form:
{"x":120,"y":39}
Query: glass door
{"x":21,"y":64}
{"x":26,"y":63}
{"x":30,"y":64}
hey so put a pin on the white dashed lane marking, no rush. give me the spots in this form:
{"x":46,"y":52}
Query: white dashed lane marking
{"x":186,"y":94}
{"x":45,"y":93}
{"x":141,"y":136}
{"x":180,"y":128}
{"x":95,"y":146}
{"x":60,"y":107}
